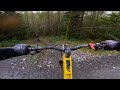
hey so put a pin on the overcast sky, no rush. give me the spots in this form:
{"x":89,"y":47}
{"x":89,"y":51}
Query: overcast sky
{"x":109,"y":12}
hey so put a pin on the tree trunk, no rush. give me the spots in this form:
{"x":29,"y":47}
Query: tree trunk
{"x":94,"y":17}
{"x":27,"y":20}
{"x":80,"y":24}
{"x":68,"y":26}
{"x":58,"y":31}
{"x":51,"y":24}
{"x":81,"y":18}
{"x":48,"y":13}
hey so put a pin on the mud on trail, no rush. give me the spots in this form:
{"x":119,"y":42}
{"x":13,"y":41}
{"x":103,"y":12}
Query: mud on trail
{"x":45,"y":65}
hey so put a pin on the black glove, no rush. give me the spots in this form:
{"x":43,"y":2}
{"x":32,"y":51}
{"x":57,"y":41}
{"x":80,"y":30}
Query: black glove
{"x":22,"y":49}
{"x":17,"y":50}
{"x":109,"y":45}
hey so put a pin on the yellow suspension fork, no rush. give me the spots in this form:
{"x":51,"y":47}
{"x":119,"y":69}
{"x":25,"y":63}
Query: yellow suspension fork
{"x":67,"y":67}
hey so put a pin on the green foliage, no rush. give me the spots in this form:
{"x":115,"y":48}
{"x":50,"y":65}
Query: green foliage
{"x":57,"y":38}
{"x":22,"y":33}
{"x":95,"y":26}
{"x":104,"y":27}
{"x":74,"y":24}
{"x":8,"y":43}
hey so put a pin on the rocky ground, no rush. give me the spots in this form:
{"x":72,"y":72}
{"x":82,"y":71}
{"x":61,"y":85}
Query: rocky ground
{"x":45,"y":65}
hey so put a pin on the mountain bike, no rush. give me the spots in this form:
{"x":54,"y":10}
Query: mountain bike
{"x":66,"y":61}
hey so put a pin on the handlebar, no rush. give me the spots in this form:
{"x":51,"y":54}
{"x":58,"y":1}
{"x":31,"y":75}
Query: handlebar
{"x":79,"y":46}
{"x":67,"y":50}
{"x":37,"y":48}
{"x":44,"y":47}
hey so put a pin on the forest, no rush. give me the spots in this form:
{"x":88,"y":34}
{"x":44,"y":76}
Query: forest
{"x":59,"y":44}
{"x":63,"y":25}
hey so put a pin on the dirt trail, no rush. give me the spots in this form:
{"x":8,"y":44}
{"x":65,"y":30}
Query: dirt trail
{"x":45,"y":65}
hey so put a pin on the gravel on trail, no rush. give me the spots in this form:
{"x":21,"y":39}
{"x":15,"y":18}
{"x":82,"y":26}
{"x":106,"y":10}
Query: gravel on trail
{"x":45,"y":65}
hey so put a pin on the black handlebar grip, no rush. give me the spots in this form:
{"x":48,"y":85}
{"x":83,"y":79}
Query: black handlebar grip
{"x":79,"y":46}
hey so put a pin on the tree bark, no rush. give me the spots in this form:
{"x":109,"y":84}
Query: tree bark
{"x":58,"y":31}
{"x":48,"y":14}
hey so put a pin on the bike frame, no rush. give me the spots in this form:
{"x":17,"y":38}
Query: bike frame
{"x":67,"y":67}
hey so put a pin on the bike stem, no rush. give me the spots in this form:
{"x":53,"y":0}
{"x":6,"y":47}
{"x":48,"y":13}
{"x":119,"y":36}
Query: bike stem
{"x":67,"y":62}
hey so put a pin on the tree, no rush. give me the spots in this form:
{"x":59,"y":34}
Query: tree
{"x":74,"y":26}
{"x":49,"y":26}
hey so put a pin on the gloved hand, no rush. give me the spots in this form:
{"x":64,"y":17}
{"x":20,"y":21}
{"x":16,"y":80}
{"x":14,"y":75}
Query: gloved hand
{"x":22,"y":49}
{"x":108,"y":45}
{"x":17,"y":50}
